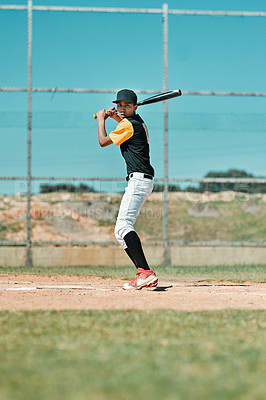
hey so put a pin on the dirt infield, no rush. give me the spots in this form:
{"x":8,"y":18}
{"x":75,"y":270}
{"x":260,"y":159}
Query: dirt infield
{"x":60,"y":292}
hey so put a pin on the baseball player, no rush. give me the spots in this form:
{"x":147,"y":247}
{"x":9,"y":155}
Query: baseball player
{"x":132,"y":136}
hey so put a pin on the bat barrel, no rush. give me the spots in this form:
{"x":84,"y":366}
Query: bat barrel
{"x":161,"y":97}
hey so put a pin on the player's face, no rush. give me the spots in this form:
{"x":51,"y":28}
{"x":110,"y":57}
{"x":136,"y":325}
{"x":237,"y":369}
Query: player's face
{"x":126,"y":109}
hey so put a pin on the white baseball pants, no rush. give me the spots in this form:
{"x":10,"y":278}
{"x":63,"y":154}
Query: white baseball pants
{"x":136,"y":192}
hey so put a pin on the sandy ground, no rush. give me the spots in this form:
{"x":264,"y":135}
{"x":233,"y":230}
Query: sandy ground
{"x":61,"y":292}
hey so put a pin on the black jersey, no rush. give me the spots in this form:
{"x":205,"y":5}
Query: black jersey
{"x":131,"y":135}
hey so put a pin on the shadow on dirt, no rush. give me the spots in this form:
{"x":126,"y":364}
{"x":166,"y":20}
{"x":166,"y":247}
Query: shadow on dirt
{"x":162,"y":288}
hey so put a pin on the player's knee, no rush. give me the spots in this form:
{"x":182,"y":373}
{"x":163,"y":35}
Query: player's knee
{"x":116,"y":234}
{"x":121,"y":229}
{"x":117,"y":231}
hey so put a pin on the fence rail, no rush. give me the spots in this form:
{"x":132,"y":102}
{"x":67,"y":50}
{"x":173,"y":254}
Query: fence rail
{"x":215,"y":243}
{"x":138,"y":10}
{"x":147,"y":91}
{"x":87,"y":178}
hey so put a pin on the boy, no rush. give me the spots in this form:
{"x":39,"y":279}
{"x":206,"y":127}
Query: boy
{"x":132,"y":136}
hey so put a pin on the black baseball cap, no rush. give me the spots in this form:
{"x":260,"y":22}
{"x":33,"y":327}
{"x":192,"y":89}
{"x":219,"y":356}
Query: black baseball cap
{"x":126,"y":95}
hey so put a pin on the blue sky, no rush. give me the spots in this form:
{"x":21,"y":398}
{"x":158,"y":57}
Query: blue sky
{"x":100,"y":50}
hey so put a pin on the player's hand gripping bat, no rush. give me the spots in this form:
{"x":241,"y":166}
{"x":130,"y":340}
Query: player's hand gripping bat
{"x":158,"y":97}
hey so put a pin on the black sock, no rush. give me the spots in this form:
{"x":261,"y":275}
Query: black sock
{"x":130,"y":256}
{"x":135,"y":250}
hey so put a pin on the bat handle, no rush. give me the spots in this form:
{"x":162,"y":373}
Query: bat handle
{"x":95,"y":115}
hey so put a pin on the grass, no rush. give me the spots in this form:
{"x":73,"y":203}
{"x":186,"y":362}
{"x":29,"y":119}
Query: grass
{"x":124,"y":355}
{"x":3,"y":230}
{"x":233,"y":224}
{"x":235,"y":273}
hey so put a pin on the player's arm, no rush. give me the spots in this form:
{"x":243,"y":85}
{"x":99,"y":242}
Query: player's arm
{"x":104,"y":140}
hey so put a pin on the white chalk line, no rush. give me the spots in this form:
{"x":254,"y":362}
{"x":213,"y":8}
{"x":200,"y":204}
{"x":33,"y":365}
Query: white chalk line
{"x":68,"y":287}
{"x":19,"y":289}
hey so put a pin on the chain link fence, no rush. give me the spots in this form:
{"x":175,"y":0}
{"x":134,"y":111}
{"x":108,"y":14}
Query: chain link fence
{"x":47,"y":88}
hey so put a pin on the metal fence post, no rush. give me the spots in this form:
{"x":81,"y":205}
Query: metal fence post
{"x":29,"y":255}
{"x":165,"y":88}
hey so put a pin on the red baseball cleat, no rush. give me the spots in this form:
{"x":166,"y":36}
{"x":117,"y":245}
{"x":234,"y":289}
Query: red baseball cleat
{"x":144,"y":278}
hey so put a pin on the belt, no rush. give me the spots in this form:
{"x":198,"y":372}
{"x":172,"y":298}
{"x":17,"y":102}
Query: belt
{"x":139,"y":175}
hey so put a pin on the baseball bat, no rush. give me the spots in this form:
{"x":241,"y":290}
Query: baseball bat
{"x":158,"y":97}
